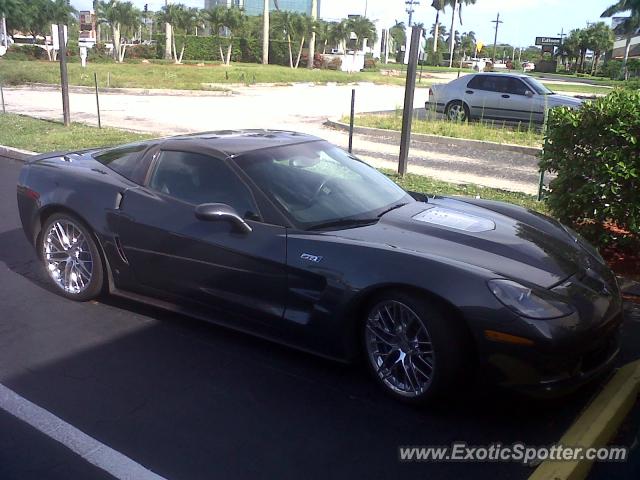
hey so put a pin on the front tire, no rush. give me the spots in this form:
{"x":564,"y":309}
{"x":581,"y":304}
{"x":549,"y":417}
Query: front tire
{"x":71,"y":257}
{"x":413,"y":349}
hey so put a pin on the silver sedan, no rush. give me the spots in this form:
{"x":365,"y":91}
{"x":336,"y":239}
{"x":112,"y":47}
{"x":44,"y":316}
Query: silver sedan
{"x":501,"y":96}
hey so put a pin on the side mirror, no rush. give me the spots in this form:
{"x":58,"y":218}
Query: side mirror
{"x":213,"y":212}
{"x":528,"y":93}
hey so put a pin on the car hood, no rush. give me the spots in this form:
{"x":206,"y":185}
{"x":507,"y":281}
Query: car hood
{"x":504,"y":239}
{"x":564,"y":100}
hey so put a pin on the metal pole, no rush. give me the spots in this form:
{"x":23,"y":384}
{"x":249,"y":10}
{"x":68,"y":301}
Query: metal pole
{"x":541,"y":185}
{"x":95,"y":79}
{"x":352,"y":118}
{"x":497,"y":21}
{"x":64,"y":79}
{"x":409,"y":91}
{"x":2,"y":96}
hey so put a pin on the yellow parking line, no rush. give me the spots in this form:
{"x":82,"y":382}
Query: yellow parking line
{"x":597,"y":425}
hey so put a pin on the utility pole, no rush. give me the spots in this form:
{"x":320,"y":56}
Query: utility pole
{"x":64,"y":79}
{"x":562,"y":35}
{"x":312,"y":40}
{"x":497,"y":21}
{"x":167,"y":34}
{"x":410,"y":9}
{"x":265,"y":33}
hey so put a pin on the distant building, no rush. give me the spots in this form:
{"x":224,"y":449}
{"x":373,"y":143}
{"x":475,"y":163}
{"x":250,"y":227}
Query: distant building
{"x":621,"y":42}
{"x":256,"y":7}
{"x":222,"y":3}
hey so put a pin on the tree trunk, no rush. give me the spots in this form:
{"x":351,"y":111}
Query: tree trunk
{"x":290,"y":52}
{"x":182,"y":50}
{"x":115,"y":40}
{"x":175,"y":51}
{"x":324,"y":47}
{"x":625,"y":61}
{"x":265,"y":33}
{"x":221,"y":52}
{"x":452,"y":34}
{"x":300,"y":52}
{"x":436,"y":32}
{"x":228,"y":62}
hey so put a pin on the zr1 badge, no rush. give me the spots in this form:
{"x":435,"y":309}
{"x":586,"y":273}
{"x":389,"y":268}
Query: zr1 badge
{"x":311,"y":258}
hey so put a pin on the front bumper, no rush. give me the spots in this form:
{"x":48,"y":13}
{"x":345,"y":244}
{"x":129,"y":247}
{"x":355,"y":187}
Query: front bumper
{"x":565,"y":353}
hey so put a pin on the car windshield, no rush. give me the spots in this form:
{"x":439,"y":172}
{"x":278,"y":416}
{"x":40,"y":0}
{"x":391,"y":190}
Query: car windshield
{"x":538,"y":87}
{"x":318,"y":184}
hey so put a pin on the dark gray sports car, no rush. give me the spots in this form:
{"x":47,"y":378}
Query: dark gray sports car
{"x":288,"y":237}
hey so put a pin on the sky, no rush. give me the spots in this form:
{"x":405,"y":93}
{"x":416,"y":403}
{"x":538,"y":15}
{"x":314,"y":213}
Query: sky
{"x":523,"y":19}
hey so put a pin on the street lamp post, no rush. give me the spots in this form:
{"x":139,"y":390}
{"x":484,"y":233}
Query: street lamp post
{"x":497,"y":21}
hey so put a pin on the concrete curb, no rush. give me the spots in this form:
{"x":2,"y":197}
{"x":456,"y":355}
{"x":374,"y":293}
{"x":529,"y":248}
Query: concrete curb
{"x":423,"y":137}
{"x":16,"y":153}
{"x":131,"y":91}
{"x":597,"y":425}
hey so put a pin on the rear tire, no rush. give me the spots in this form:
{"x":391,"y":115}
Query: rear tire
{"x":71,"y":257}
{"x":413,"y":348}
{"x":457,"y":111}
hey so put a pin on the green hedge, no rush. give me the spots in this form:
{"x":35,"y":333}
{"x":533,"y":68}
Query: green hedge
{"x":595,"y":152}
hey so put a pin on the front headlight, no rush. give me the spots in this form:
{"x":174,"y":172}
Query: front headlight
{"x":524,"y":301}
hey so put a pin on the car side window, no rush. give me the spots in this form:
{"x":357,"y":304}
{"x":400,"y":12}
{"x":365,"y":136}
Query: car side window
{"x":127,"y":161}
{"x":517,"y":86}
{"x":476,"y":83}
{"x":196,"y":179}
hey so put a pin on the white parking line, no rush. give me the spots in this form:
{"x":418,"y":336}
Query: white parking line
{"x":90,"y":449}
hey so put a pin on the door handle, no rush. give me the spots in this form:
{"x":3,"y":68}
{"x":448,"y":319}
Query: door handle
{"x":469,"y":92}
{"x":506,"y":96}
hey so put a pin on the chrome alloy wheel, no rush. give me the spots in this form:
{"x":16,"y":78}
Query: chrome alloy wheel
{"x":67,"y":256}
{"x":456,"y":112}
{"x":399,"y":348}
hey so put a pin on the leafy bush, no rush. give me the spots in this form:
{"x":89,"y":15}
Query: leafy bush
{"x":595,"y":152}
{"x":370,"y":64}
{"x":25,"y":52}
{"x":335,"y":63}
{"x":612,"y":69}
{"x":141,"y":51}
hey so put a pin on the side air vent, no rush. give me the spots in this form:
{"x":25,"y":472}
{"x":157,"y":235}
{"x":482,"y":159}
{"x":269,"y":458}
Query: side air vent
{"x":119,"y":198}
{"x":123,"y":257}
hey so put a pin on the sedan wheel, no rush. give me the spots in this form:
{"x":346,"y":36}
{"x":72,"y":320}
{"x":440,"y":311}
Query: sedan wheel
{"x":71,"y":257}
{"x":399,"y":348}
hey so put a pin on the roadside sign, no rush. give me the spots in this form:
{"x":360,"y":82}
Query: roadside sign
{"x":552,"y":41}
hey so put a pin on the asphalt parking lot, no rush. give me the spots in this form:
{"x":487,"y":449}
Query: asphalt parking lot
{"x":188,"y":400}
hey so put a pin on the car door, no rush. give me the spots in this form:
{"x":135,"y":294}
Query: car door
{"x":212,"y":263}
{"x":483,"y":96}
{"x":519,"y":106}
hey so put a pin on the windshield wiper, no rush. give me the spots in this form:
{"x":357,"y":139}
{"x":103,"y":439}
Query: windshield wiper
{"x":344,"y":222}
{"x":392,"y":208}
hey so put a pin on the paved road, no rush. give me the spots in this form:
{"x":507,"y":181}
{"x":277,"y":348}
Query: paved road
{"x":189,"y":400}
{"x":301,"y":108}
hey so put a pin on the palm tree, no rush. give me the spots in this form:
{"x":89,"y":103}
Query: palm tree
{"x":284,"y":23}
{"x":455,"y":4}
{"x":121,"y":17}
{"x":584,"y":42}
{"x":601,"y":41}
{"x":215,"y":17}
{"x":399,"y":35}
{"x":322,"y":34}
{"x":233,"y":20}
{"x":180,"y":19}
{"x":7,"y":7}
{"x":439,"y":6}
{"x":304,"y":27}
{"x":629,"y":27}
{"x":339,"y":34}
{"x":364,"y":29}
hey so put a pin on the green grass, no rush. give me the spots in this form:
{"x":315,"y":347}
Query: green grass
{"x":181,"y":77}
{"x":582,"y":88}
{"x":492,"y":132}
{"x":420,"y":183}
{"x":45,"y":136}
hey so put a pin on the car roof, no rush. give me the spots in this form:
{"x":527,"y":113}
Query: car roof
{"x":236,"y":142}
{"x":511,"y":74}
